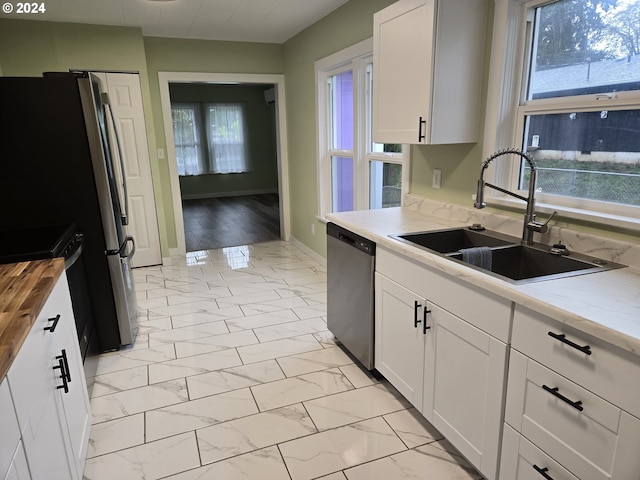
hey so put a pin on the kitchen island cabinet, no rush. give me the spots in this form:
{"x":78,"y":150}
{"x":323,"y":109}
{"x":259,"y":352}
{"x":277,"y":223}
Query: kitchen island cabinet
{"x":13,"y":463}
{"x":428,"y":58}
{"x":45,"y":379}
{"x":453,"y":372}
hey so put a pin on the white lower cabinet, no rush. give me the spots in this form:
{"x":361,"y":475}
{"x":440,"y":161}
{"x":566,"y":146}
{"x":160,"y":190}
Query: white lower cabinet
{"x":13,"y":464}
{"x":557,"y":403}
{"x":522,"y":460}
{"x":450,"y":370}
{"x":464,"y":379}
{"x":399,"y":338}
{"x":49,"y":393}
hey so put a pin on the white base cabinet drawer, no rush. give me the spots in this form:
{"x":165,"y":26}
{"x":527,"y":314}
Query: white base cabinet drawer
{"x":587,"y":435}
{"x":586,"y":360}
{"x":522,"y":460}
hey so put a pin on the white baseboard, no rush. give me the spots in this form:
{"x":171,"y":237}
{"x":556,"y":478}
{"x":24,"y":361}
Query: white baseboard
{"x":239,"y":193}
{"x":308,"y":251}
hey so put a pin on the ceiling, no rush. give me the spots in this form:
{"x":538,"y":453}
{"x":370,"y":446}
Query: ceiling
{"x":266,"y":21}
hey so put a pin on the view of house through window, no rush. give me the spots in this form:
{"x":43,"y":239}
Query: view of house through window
{"x":579,"y":116}
{"x":210,"y":138}
{"x":355,"y":173}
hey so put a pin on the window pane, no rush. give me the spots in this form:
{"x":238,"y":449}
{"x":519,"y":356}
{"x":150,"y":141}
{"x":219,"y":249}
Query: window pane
{"x":342,"y":184}
{"x":584,"y":48}
{"x":385,"y":184}
{"x":226,"y":135}
{"x":386,"y":147}
{"x":342,"y":111}
{"x":592,"y":155}
{"x":185,"y":133}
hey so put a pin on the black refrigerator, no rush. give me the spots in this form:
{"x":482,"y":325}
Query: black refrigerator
{"x":61,"y":163}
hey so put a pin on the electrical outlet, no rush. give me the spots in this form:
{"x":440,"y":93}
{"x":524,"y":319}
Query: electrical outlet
{"x":313,"y":229}
{"x":161,"y":154}
{"x":437,"y":178}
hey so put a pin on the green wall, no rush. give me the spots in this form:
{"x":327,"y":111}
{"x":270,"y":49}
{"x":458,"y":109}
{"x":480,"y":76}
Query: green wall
{"x":346,"y":26}
{"x":261,"y":137}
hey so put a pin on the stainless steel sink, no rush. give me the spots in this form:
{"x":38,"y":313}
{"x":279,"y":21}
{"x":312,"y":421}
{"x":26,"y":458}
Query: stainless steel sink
{"x":510,"y":260}
{"x":452,"y":240}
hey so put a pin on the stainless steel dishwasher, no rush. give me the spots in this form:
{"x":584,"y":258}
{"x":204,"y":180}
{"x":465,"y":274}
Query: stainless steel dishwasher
{"x":350,"y":270}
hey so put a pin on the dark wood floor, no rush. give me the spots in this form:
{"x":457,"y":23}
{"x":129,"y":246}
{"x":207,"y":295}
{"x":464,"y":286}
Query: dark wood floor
{"x":230,"y":221}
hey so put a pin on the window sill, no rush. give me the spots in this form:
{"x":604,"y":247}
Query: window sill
{"x":597,"y":218}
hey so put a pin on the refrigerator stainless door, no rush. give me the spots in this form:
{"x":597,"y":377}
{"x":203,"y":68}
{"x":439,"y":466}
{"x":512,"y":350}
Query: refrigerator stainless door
{"x":123,"y":291}
{"x":115,"y":234}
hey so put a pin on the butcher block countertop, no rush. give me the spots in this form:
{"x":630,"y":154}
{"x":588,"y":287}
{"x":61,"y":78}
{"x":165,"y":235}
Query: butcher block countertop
{"x":24,"y":289}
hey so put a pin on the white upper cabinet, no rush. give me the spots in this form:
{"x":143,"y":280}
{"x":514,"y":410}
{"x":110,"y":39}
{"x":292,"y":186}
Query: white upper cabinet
{"x":428,"y":69}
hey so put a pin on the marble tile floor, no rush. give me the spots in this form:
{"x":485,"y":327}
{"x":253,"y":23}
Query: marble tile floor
{"x":235,"y":376}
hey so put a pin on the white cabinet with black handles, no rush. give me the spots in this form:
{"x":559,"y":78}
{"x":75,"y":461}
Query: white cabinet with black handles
{"x":428,"y":61}
{"x":572,"y":408}
{"x":49,"y":393}
{"x":443,"y":346}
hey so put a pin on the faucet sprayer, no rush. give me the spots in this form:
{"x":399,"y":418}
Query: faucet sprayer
{"x":530,"y":224}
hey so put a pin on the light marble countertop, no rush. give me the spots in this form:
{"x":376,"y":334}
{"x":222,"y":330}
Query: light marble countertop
{"x":603,"y":304}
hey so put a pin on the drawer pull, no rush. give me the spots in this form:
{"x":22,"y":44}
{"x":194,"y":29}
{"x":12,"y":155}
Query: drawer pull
{"x":416,"y":320}
{"x":542,"y":471}
{"x":563,"y":338}
{"x":554,"y":391}
{"x":63,"y":358}
{"x":53,"y":326}
{"x":424,"y":320}
{"x":63,"y":375}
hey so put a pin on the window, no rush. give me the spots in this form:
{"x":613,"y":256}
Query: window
{"x":187,"y":138}
{"x":354,"y":172}
{"x":225,"y":149}
{"x":226,"y":135}
{"x":578,"y":107}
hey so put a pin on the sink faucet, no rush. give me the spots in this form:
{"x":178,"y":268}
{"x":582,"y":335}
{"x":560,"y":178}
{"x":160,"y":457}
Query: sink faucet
{"x":530,"y":223}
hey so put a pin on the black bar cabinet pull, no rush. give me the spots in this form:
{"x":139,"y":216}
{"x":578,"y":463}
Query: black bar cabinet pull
{"x":424,"y":319}
{"x":63,"y":374}
{"x":542,"y":471}
{"x":421,"y":122}
{"x":416,"y":320}
{"x":53,"y":326}
{"x":563,"y":338}
{"x":554,"y":391}
{"x":63,"y":357}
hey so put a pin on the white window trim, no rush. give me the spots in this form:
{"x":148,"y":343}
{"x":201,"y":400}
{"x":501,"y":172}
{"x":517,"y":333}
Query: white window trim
{"x":350,"y":58}
{"x":501,"y":121}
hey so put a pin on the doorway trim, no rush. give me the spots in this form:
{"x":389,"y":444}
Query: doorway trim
{"x":165,"y":78}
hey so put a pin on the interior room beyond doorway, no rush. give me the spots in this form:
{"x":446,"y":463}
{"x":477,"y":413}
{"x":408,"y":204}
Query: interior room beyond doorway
{"x":226,"y":156}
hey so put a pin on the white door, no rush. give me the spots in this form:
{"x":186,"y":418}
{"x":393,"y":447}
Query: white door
{"x":125,"y":96}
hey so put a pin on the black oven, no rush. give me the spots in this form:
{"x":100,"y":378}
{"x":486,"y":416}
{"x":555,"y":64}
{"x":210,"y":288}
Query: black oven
{"x":53,"y":241}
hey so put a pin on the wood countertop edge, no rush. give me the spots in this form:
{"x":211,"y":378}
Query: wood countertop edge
{"x":24,"y":289}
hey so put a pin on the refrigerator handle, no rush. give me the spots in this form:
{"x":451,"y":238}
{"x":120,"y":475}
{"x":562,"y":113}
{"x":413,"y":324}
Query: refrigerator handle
{"x":125,"y":214}
{"x":133,"y":246}
{"x":120,"y":251}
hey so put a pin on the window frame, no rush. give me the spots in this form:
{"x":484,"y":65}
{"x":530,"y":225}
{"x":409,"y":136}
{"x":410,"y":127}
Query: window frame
{"x":507,"y":109}
{"x":355,"y":58}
